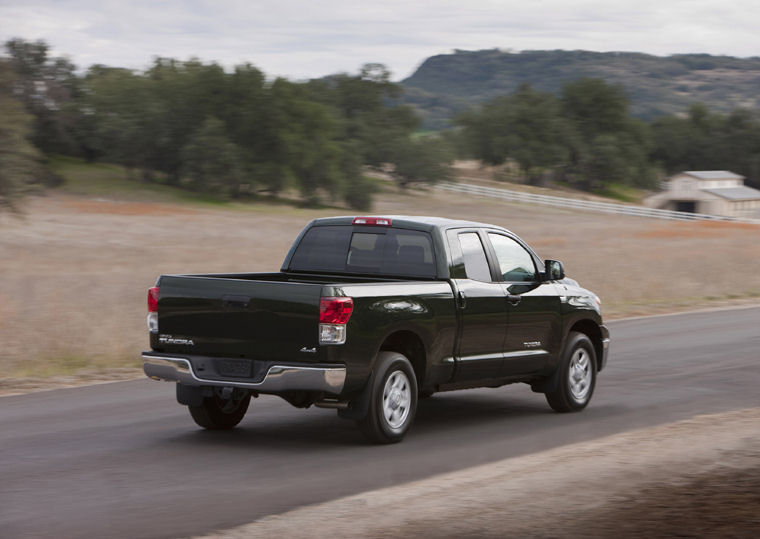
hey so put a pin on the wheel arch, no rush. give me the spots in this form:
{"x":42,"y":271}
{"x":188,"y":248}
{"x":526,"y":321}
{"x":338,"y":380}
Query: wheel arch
{"x":409,"y":344}
{"x":591,"y":330}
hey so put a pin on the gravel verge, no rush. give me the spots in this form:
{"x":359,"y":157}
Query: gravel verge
{"x":693,"y":478}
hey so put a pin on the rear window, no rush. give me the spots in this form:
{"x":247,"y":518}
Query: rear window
{"x":344,"y":249}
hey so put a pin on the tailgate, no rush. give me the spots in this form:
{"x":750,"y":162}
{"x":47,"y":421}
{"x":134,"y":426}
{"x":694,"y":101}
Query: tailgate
{"x":227,"y":317}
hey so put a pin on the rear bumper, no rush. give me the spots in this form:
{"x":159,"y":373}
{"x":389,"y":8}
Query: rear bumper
{"x":277,"y":379}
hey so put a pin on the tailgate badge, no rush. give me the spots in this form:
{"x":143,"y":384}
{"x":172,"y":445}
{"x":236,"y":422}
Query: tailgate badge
{"x":171,"y":339}
{"x":309,"y":350}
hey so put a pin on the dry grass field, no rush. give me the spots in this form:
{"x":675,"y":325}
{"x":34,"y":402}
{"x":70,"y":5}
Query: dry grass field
{"x":74,"y":269}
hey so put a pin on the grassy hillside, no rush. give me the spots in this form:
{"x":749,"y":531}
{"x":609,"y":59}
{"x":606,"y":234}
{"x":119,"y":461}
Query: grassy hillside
{"x":114,"y":182}
{"x":448,"y":83}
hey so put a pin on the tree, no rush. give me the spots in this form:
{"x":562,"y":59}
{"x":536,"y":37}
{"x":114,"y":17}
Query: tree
{"x":617,"y":157}
{"x":423,"y":159}
{"x":46,"y":86}
{"x":689,"y":143}
{"x":606,"y":144}
{"x":20,"y":161}
{"x":121,"y":119}
{"x":586,"y":137}
{"x":526,"y":127}
{"x":185,"y":93}
{"x":740,"y":144}
{"x":357,"y":188}
{"x":193,"y":125}
{"x":703,"y":140}
{"x":595,"y":107}
{"x":370,"y":117}
{"x":244,"y":112}
{"x":210,"y":162}
{"x":304,"y":139}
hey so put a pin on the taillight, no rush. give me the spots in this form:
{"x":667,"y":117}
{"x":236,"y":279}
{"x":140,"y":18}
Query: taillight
{"x":153,"y":299}
{"x":153,"y":309}
{"x":335,"y":310}
{"x":372,"y":221}
{"x":334,"y":313}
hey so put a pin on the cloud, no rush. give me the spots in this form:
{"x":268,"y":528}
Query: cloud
{"x":302,"y":39}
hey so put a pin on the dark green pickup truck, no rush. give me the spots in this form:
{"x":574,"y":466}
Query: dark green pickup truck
{"x":367,"y":315}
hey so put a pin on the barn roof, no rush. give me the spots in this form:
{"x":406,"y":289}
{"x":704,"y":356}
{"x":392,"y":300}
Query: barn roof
{"x":713,"y":174}
{"x":736,"y":193}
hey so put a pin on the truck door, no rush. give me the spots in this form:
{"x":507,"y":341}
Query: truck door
{"x":533,"y":332}
{"x":482,"y":308}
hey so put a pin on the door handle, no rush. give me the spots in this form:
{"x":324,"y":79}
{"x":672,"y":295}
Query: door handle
{"x":514,"y":299}
{"x":461,"y":300}
{"x":235,"y":302}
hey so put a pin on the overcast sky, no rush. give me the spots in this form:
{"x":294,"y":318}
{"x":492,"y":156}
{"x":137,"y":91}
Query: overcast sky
{"x":301,"y":39}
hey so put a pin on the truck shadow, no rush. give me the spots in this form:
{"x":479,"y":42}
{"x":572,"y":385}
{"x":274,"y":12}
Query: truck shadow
{"x":486,"y":406}
{"x":282,"y":427}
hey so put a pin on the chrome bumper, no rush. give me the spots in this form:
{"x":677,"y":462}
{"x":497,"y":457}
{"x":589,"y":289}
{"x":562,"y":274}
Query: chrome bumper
{"x":277,"y":379}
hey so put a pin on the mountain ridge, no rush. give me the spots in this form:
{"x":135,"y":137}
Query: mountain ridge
{"x":446,"y":84}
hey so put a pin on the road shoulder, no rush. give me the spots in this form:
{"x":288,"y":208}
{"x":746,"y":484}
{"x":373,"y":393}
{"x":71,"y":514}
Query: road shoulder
{"x":631,"y":482}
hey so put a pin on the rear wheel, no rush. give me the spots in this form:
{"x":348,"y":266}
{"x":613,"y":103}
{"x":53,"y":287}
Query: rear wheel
{"x":392,"y":399}
{"x":576,"y":375}
{"x":222,"y":410}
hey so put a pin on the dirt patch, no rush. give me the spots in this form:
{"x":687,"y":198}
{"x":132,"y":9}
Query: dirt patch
{"x":722,"y":503}
{"x":113,"y":207}
{"x":695,"y":478}
{"x":699,"y":229}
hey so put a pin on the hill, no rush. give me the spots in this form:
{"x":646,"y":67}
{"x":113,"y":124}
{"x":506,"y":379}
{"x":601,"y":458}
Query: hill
{"x":448,"y":83}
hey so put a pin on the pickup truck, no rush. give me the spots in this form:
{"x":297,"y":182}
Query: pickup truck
{"x":369,"y":314}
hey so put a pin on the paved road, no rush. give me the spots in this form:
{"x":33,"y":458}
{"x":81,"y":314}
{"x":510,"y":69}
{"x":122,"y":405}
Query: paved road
{"x":124,"y":460}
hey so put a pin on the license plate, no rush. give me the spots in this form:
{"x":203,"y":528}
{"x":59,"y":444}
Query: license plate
{"x":238,"y":368}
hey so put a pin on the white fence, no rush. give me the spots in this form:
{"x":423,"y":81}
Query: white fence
{"x":586,"y":205}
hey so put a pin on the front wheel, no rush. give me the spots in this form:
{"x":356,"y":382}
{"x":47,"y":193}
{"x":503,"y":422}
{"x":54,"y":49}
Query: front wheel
{"x":576,"y":375}
{"x":392,"y":399}
{"x":223,"y":410}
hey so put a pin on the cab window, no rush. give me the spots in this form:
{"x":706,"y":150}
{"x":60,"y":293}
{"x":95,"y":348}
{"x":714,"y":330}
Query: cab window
{"x":515,"y":262}
{"x":475,"y":261}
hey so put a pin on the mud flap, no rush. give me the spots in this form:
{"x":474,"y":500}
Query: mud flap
{"x":358,"y":408}
{"x":546,"y":385}
{"x":189,"y":395}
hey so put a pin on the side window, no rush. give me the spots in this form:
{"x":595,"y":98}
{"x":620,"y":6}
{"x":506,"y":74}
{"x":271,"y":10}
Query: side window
{"x":475,"y":262}
{"x":515,"y":263}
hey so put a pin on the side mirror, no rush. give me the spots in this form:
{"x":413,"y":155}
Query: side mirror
{"x":554,"y":271}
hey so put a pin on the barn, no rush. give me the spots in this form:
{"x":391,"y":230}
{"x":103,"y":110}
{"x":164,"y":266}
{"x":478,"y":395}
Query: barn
{"x":712,"y":192}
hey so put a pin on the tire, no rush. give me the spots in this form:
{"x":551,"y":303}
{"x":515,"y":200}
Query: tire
{"x":576,"y":375}
{"x":392,"y":399}
{"x":219,"y":413}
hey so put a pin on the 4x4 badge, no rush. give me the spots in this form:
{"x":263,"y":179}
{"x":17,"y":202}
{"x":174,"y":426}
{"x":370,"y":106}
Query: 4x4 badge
{"x":309,"y":350}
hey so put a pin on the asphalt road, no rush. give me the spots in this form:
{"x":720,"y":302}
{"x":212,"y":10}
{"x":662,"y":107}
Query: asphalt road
{"x":124,"y":460}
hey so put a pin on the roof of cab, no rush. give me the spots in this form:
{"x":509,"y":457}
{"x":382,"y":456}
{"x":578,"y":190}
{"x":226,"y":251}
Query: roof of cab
{"x":414,"y":222}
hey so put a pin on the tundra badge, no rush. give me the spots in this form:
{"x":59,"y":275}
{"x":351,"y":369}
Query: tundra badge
{"x":171,"y":339}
